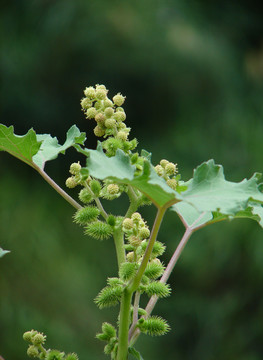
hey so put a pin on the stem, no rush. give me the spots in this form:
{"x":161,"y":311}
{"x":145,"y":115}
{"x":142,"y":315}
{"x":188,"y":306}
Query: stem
{"x":58,"y":189}
{"x":124,"y":325}
{"x":157,"y":223}
{"x":135,"y":313}
{"x":134,"y":202}
{"x":119,"y":245}
{"x":100,"y":207}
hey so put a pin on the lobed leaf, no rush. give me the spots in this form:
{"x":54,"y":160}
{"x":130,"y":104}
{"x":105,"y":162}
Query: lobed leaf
{"x":35,"y":150}
{"x":211,"y":198}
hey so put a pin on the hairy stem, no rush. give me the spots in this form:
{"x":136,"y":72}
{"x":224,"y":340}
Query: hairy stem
{"x":119,"y":246}
{"x":135,"y":313}
{"x":58,"y":189}
{"x":124,"y":325}
{"x":133,"y":202}
{"x":156,"y":226}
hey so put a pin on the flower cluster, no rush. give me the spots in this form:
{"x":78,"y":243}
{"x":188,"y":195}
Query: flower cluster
{"x":37,"y":350}
{"x":168,"y":171}
{"x":109,"y":116}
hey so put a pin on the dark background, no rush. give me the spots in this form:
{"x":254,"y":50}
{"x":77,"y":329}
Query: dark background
{"x":193,"y":76}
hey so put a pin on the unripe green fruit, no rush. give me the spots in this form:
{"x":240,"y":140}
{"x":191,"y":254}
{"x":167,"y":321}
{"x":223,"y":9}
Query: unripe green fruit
{"x":159,"y":169}
{"x":71,"y":182}
{"x":72,"y":356}
{"x":172,"y":183}
{"x":75,"y":168}
{"x":55,"y":355}
{"x":118,"y":99}
{"x":108,"y":112}
{"x":120,"y":109}
{"x":95,"y":187}
{"x":144,"y":233}
{"x":170,"y":168}
{"x":163,"y":163}
{"x":85,"y":196}
{"x":91,"y":113}
{"x":119,"y":116}
{"x":122,"y":135}
{"x":111,"y":220}
{"x":86,"y":214}
{"x":32,"y":351}
{"x":98,"y":131}
{"x":127,"y":224}
{"x":101,"y":94}
{"x":89,"y":92}
{"x":110,"y":123}
{"x":38,"y":339}
{"x":113,"y":189}
{"x":85,"y":103}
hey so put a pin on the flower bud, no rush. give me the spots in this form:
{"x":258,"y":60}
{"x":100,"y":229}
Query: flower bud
{"x":100,"y":118}
{"x":110,"y":123}
{"x":130,"y":256}
{"x":101,"y":94}
{"x":71,"y":182}
{"x":91,"y":113}
{"x":89,"y":92}
{"x":108,"y":112}
{"x":38,"y":339}
{"x":27,"y":336}
{"x":135,"y":240}
{"x":75,"y":168}
{"x":108,"y":103}
{"x":113,"y":189}
{"x":122,"y":135}
{"x":85,"y":103}
{"x":144,"y":233}
{"x":119,"y":116}
{"x":72,"y":356}
{"x":127,"y":224}
{"x":136,"y":217}
{"x":98,"y":131}
{"x":164,"y":162}
{"x":172,"y":183}
{"x":32,"y":351}
{"x":159,"y":169}
{"x":118,"y":99}
{"x":170,"y":168}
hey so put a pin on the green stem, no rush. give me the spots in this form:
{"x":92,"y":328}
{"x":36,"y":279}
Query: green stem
{"x":156,"y":226}
{"x":119,"y":245}
{"x":124,"y":325}
{"x":58,"y":189}
{"x":133,"y":202}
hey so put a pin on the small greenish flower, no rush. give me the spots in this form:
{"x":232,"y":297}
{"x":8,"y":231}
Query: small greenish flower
{"x":98,"y":131}
{"x":91,"y":113}
{"x":118,"y":99}
{"x":71,"y":182}
{"x":75,"y":168}
{"x":32,"y":351}
{"x":113,"y":189}
{"x":89,"y":92}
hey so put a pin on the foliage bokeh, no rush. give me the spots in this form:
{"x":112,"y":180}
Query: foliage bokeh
{"x":193,"y":76}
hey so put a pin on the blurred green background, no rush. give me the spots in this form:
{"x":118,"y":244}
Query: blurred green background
{"x":193,"y":76}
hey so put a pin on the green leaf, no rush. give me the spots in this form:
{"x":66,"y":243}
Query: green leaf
{"x":35,"y":150}
{"x":135,"y":354}
{"x":3,"y":252}
{"x":50,"y":147}
{"x":23,"y":147}
{"x":119,"y":169}
{"x":211,"y":198}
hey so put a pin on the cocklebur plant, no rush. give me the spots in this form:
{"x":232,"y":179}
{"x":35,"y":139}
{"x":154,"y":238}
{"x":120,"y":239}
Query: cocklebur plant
{"x":117,"y":169}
